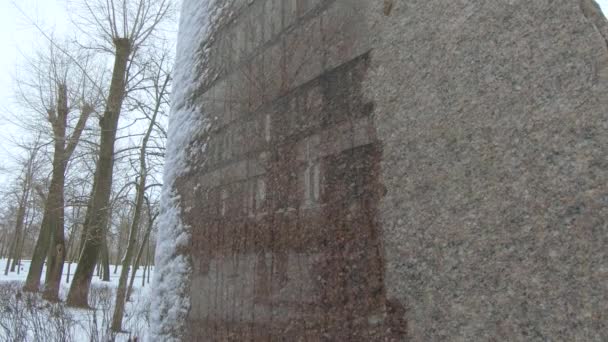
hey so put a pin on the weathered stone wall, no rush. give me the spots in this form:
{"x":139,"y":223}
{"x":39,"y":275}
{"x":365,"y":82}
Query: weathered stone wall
{"x":282,"y":201}
{"x":393,"y":170}
{"x":493,"y":117}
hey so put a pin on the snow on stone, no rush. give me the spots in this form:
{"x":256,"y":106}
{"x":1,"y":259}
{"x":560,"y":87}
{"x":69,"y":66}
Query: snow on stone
{"x":170,"y":302}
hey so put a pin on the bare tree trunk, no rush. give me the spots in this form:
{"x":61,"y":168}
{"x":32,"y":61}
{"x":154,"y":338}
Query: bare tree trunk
{"x":2,"y":246}
{"x":119,"y":251}
{"x":83,"y":237}
{"x":67,"y":277}
{"x":73,"y":253}
{"x":126,"y":261}
{"x":149,"y":259}
{"x":55,"y":233}
{"x":18,"y":233}
{"x":105,"y":260}
{"x":123,"y":234}
{"x":143,"y":279}
{"x":144,"y":243}
{"x":52,"y":219}
{"x":121,"y":290}
{"x":51,"y":239}
{"x":27,"y":226}
{"x":68,"y":251}
{"x":29,"y":219}
{"x":57,"y":250}
{"x":96,"y":218}
{"x":21,"y":212}
{"x":10,"y":253}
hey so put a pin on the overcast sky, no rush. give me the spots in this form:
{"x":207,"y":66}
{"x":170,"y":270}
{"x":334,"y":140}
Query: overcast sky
{"x":19,"y":37}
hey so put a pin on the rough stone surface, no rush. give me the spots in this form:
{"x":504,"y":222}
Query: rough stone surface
{"x":417,"y":170}
{"x":282,"y":201}
{"x":493,"y":117}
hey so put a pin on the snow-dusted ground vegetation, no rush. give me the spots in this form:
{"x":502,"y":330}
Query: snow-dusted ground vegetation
{"x":27,"y":317}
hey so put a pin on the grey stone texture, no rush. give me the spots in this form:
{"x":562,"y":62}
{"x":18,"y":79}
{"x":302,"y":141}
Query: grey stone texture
{"x":420,"y":170}
{"x":493,"y":117}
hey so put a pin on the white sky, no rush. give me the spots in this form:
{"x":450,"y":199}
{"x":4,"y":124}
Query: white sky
{"x":19,"y":37}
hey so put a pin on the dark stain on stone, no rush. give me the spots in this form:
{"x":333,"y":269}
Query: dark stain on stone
{"x":388,"y":7}
{"x":294,"y":253}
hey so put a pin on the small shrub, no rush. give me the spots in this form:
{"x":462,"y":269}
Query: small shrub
{"x":27,"y":317}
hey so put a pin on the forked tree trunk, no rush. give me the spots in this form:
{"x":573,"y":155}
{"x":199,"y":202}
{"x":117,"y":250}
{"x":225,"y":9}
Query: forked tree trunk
{"x":96,"y":218}
{"x":32,"y":281}
{"x":55,"y":202}
{"x":51,"y":240}
{"x":53,"y":235}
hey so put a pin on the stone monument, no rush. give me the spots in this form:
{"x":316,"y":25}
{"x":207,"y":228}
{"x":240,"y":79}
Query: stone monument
{"x":357,"y":170}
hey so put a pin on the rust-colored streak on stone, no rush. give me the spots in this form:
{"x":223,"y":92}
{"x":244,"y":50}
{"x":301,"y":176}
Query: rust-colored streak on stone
{"x":431,"y":171}
{"x":293,"y":253}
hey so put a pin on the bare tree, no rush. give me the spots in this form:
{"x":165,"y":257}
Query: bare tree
{"x":122,"y":27}
{"x":151,"y":219}
{"x":23,"y":194}
{"x":60,"y":94}
{"x":159,"y":91}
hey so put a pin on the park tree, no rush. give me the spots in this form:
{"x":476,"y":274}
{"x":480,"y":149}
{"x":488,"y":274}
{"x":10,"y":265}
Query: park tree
{"x":121,"y":27}
{"x":152,"y":104}
{"x":22,"y":192}
{"x":61,"y":98}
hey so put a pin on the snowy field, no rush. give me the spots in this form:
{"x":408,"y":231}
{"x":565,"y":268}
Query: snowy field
{"x":25,"y":317}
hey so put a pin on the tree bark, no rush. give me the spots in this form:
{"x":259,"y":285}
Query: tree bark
{"x":121,"y":291}
{"x":126,"y":261}
{"x":96,"y":218}
{"x":132,"y":242}
{"x":68,"y":251}
{"x":53,"y":213}
{"x":57,"y":252}
{"x":143,"y":280}
{"x":18,"y":233}
{"x":21,"y":213}
{"x":105,"y":260}
{"x":51,"y":239}
{"x":2,"y":246}
{"x":26,"y":227}
{"x":119,"y":251}
{"x":10,"y":253}
{"x":138,"y":258}
{"x":55,"y":202}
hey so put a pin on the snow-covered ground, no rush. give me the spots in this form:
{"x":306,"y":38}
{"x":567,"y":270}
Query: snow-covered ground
{"x":25,"y":264}
{"x":77,"y":324}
